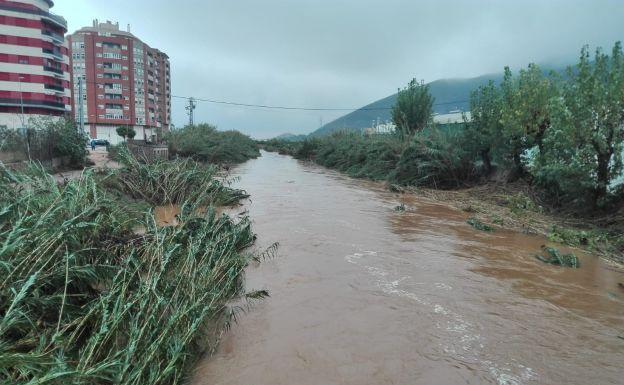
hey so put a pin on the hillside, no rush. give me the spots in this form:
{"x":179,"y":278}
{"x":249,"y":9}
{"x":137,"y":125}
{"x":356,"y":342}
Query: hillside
{"x":450,"y":94}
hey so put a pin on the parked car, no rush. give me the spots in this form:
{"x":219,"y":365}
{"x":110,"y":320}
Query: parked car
{"x":100,"y":142}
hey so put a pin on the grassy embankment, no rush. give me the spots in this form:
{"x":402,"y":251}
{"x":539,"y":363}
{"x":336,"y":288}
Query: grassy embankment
{"x":84,"y":299}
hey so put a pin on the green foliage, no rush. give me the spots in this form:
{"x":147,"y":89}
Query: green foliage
{"x":47,"y":138}
{"x":483,"y":134}
{"x":583,"y":153}
{"x":204,"y":143}
{"x":83,"y":300}
{"x":413,"y":110}
{"x":554,"y":257}
{"x":307,"y":150}
{"x":526,"y":113}
{"x":173,"y":182}
{"x":435,"y":158}
{"x":371,"y":157}
{"x":126,"y":132}
{"x":477,"y":224}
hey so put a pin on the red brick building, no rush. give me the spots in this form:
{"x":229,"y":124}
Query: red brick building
{"x":124,"y":82}
{"x":34,"y":62}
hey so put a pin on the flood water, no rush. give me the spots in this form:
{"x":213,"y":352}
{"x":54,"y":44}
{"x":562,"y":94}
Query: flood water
{"x":362,"y":294}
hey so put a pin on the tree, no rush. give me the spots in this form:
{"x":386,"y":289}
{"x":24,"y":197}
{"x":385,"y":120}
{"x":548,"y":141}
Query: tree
{"x":483,"y":133}
{"x":126,"y":132}
{"x":595,"y":100}
{"x":122,"y":131}
{"x":413,"y":110}
{"x":526,"y":116}
{"x":583,"y":149}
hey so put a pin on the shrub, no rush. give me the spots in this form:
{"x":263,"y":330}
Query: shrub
{"x":435,"y":158}
{"x":204,"y":143}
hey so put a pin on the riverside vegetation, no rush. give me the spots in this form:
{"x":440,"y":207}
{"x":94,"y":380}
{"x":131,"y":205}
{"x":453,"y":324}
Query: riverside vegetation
{"x":204,"y":143}
{"x":546,"y":147}
{"x":86,"y":299}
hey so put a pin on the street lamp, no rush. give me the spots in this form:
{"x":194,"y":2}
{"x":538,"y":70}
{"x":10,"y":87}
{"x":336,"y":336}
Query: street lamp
{"x":19,"y":79}
{"x":24,"y":130}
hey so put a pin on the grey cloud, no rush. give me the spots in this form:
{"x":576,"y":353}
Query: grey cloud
{"x":342,"y":53}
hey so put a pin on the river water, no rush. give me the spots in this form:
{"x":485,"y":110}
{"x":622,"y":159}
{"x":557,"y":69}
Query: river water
{"x":363,"y":294}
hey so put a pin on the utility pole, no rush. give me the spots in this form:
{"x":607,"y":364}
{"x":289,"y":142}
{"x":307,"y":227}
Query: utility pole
{"x":19,"y":80}
{"x":191,"y":106}
{"x":80,"y":106}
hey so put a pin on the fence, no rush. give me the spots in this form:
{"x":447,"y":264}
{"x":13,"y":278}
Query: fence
{"x":147,"y":151}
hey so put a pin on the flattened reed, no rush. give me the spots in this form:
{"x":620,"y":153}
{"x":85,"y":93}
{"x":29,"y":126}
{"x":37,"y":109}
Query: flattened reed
{"x":84,"y":300}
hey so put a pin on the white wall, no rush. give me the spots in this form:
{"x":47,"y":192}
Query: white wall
{"x":110,"y":133}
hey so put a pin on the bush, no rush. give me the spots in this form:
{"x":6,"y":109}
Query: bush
{"x":436,"y":158}
{"x":204,"y":143}
{"x":46,"y":139}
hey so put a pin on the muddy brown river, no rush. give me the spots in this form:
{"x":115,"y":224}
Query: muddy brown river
{"x":362,"y":294}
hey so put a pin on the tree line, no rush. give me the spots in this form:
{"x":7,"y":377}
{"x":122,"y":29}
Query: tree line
{"x":562,"y":133}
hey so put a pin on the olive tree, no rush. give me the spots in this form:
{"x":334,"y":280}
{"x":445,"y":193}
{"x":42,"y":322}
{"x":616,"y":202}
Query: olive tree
{"x":483,"y":133}
{"x":526,"y":111}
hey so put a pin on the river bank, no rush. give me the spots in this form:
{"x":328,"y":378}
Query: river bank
{"x":510,"y":207}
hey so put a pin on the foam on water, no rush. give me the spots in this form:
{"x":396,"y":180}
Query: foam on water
{"x":469,"y":345}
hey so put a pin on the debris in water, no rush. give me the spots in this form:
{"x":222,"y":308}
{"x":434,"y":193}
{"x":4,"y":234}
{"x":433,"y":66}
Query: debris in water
{"x":554,"y":257}
{"x":400,"y":207}
{"x":477,"y":224}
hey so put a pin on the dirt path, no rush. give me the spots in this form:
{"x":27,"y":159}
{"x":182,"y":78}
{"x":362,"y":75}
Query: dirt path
{"x":100,"y":160}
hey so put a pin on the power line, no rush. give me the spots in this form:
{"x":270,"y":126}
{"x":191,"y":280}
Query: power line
{"x":292,"y":108}
{"x":300,"y":108}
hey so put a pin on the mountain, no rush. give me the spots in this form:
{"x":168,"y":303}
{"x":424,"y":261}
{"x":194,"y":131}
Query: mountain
{"x":449,"y":94}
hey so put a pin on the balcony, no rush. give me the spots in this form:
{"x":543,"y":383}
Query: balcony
{"x":55,"y":19}
{"x":56,"y":55}
{"x":53,"y":69}
{"x":117,"y":91}
{"x":54,"y":88}
{"x":55,"y":37}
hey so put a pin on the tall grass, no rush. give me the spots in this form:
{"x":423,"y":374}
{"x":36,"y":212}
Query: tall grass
{"x":205,"y":143}
{"x":83,"y":300}
{"x":173,"y":182}
{"x":433,"y":158}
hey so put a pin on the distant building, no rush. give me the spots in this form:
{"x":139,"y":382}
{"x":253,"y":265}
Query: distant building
{"x":34,"y":62}
{"x":454,"y":116}
{"x":124,"y":82}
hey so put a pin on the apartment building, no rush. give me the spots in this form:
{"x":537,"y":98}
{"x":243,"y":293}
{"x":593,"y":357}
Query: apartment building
{"x":34,"y":62}
{"x":124,"y":82}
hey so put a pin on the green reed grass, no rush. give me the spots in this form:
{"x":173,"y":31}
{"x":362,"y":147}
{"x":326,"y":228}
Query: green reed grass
{"x":174,"y":182}
{"x":84,"y":300}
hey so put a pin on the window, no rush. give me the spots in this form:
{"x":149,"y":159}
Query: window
{"x":22,"y":59}
{"x":111,"y":55}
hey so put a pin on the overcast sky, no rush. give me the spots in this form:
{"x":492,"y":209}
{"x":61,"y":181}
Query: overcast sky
{"x":341,"y":53}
